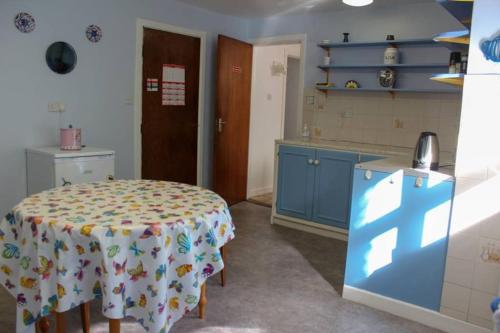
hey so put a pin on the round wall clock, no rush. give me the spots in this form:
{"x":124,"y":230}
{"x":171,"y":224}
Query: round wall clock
{"x":24,"y":22}
{"x":93,"y":33}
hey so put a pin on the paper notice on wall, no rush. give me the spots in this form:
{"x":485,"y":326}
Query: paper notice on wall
{"x":174,"y":85}
{"x":152,"y":85}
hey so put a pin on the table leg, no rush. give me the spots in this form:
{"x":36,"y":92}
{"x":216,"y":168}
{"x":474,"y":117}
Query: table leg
{"x":114,"y":326}
{"x":85,"y":315}
{"x":43,"y":325}
{"x":60,"y":323}
{"x":223,"y":272}
{"x":203,"y":301}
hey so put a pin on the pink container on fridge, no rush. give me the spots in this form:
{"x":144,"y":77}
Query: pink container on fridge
{"x":71,"y":138}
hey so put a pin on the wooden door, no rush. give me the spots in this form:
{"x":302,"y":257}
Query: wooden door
{"x":295,"y":181}
{"x":170,"y":132}
{"x":232,"y":118}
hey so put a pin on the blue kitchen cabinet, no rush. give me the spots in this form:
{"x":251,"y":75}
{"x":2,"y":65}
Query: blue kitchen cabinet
{"x":398,"y":236}
{"x":332,"y":188}
{"x":296,"y":181}
{"x":315,"y":184}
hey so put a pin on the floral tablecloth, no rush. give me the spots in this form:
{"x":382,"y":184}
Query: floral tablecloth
{"x":143,"y":247}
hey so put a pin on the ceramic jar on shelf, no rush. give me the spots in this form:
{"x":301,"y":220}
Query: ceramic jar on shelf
{"x":391,"y":56}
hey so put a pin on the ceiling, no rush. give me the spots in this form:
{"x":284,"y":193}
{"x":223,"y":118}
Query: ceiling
{"x":263,"y":8}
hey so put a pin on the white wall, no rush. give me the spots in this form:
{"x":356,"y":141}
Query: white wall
{"x":97,"y":93}
{"x":472,"y":276}
{"x":266,"y":115}
{"x":375,"y":118}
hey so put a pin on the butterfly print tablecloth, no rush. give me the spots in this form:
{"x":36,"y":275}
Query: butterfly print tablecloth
{"x":143,"y":247}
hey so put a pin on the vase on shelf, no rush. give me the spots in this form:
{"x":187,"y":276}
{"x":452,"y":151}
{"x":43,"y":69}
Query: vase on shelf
{"x":391,"y":56}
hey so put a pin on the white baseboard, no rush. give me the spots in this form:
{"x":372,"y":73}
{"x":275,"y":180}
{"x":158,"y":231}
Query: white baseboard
{"x":258,"y":191}
{"x":311,"y":227}
{"x":412,"y":312}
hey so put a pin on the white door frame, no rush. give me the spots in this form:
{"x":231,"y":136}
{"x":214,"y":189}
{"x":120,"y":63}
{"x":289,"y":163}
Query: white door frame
{"x":290,"y":39}
{"x":202,"y":35}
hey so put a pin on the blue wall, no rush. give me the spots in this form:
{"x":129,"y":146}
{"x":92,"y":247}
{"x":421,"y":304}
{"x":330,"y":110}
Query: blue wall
{"x":364,"y":24}
{"x":96,"y":92}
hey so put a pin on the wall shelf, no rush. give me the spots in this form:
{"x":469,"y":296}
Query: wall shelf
{"x":413,"y":74}
{"x":454,"y":37}
{"x":392,"y":90}
{"x":455,"y":40}
{"x":379,"y":43}
{"x":434,"y":65}
{"x":460,"y":9}
{"x":452,"y":79}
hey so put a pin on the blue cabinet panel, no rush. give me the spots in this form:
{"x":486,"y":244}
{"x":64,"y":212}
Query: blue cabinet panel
{"x":295,"y":181}
{"x":333,"y":181}
{"x":398,"y":237}
{"x":367,"y":158}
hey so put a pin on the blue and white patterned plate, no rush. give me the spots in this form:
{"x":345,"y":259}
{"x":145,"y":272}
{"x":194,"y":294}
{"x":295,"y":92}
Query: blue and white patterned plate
{"x":93,"y":33}
{"x":24,"y":22}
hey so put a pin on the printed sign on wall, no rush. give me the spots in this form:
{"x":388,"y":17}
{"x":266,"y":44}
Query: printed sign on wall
{"x":152,"y":85}
{"x":174,"y":85}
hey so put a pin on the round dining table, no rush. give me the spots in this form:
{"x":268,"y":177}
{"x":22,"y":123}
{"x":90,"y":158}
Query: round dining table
{"x":143,"y":248}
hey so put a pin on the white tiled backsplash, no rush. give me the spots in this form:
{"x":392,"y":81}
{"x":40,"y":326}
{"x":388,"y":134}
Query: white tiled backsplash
{"x":382,"y":118}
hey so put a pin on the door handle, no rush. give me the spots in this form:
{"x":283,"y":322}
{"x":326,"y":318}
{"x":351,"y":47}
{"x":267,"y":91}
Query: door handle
{"x":219,"y":124}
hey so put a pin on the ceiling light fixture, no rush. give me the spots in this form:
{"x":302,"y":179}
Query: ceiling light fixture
{"x":358,"y":3}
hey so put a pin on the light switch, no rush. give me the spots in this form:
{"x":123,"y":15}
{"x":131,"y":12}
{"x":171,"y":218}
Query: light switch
{"x":56,"y":107}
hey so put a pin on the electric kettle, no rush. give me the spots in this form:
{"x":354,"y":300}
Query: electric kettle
{"x":427,"y":152}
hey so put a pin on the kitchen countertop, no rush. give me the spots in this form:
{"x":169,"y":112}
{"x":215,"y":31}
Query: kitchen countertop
{"x":396,"y":158}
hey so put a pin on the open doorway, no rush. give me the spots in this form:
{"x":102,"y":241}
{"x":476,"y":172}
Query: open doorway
{"x":276,"y":108}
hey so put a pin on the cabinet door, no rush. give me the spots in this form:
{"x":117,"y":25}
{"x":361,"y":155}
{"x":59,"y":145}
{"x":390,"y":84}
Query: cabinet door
{"x":332,"y":191}
{"x":398,"y":236}
{"x":295,"y":181}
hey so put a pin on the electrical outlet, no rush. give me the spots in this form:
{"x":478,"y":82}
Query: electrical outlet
{"x":346,"y":114}
{"x":56,"y":107}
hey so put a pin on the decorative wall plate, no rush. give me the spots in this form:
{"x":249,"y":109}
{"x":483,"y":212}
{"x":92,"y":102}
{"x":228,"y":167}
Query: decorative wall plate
{"x":491,"y":49}
{"x":387,"y":78}
{"x":24,"y":22}
{"x":93,"y":33}
{"x":351,"y":84}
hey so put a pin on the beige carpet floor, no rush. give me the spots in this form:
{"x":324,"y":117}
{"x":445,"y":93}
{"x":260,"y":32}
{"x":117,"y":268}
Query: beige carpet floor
{"x":279,"y":280}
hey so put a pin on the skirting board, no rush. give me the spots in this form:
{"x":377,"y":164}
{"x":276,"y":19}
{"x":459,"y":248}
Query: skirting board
{"x":409,"y":311}
{"x":309,"y":227}
{"x":258,"y":191}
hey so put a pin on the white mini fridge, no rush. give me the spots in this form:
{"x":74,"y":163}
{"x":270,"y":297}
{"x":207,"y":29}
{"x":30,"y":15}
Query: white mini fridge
{"x":51,"y":167}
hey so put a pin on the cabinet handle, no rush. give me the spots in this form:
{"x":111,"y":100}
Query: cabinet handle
{"x":316,"y":162}
{"x":419,"y":182}
{"x":310,"y":161}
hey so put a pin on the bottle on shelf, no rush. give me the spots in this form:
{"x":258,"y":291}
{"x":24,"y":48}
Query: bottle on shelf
{"x":464,"y":63}
{"x":306,"y":134}
{"x":455,"y":63}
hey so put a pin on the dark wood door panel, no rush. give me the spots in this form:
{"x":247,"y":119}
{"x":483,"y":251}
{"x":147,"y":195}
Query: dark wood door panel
{"x":170,"y":133}
{"x":234,"y":75}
